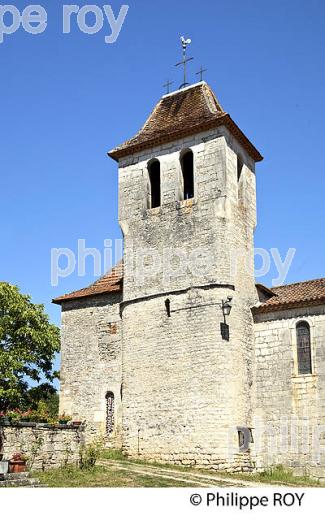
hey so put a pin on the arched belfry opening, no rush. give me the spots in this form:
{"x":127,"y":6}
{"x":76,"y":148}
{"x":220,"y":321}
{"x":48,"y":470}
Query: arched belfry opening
{"x":187,"y":164}
{"x":154,"y":184}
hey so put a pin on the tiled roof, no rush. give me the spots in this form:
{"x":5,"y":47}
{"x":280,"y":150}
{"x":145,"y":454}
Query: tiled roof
{"x":180,"y":114}
{"x":283,"y":297}
{"x":295,"y":295}
{"x":109,"y":283}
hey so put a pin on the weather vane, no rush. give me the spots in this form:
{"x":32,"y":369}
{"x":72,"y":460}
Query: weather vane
{"x":185,"y":43}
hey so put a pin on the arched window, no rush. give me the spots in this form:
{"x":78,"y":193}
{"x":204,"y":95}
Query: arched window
{"x":110,"y":405}
{"x":303,"y":348}
{"x":187,"y":163}
{"x":240,"y":165}
{"x":154,"y":181}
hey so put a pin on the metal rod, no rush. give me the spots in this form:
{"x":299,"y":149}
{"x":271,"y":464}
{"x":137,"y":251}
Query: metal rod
{"x":196,"y":306}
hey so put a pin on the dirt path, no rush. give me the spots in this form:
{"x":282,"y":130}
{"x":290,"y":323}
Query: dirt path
{"x":191,"y":478}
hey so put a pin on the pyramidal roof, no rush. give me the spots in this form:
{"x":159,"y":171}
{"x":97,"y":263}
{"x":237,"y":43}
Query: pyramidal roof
{"x":180,"y":114}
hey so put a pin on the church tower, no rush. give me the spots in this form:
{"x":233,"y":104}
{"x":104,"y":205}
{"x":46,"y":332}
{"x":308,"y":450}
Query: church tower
{"x":187,"y":212}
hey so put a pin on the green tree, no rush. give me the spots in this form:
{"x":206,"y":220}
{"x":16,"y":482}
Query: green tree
{"x":43,"y":393}
{"x":28,"y":343}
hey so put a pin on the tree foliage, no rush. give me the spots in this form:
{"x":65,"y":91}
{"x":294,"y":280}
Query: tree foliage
{"x":45,"y":393}
{"x":28,"y":343}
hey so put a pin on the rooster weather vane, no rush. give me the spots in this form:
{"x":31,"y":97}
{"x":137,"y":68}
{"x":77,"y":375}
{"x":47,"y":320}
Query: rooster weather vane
{"x":185,"y":43}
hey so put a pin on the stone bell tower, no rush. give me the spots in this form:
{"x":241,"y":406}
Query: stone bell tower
{"x":187,"y":212}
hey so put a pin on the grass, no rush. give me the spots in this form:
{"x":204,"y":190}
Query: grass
{"x":73,"y":477}
{"x":113,"y":455}
{"x":274,"y":475}
{"x":280,"y":474}
{"x":106,"y":476}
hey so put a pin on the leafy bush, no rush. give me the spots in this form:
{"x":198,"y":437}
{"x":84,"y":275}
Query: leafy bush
{"x":64,"y":417}
{"x":41,"y":414}
{"x":14,"y":415}
{"x":90,"y":453}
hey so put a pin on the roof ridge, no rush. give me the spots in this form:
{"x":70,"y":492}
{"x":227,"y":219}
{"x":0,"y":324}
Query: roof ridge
{"x":194,"y":85}
{"x":208,"y":94}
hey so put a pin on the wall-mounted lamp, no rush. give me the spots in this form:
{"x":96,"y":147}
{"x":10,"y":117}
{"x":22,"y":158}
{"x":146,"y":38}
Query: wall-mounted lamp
{"x":226,"y":309}
{"x":225,"y":305}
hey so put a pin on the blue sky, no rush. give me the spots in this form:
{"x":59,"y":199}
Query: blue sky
{"x":67,"y":99}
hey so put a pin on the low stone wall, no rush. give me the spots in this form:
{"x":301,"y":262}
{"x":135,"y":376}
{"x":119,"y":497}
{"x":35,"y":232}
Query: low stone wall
{"x":45,"y":446}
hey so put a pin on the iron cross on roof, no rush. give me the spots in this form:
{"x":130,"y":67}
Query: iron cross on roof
{"x":201,"y":72}
{"x":185,"y":43}
{"x":167,"y":85}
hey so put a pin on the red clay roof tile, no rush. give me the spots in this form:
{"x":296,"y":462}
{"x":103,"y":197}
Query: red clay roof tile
{"x":109,"y":283}
{"x":300,"y":294}
{"x":311,"y":292}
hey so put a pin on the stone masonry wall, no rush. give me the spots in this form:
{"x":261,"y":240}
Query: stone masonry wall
{"x":291,"y":406}
{"x":221,"y":217}
{"x":184,"y":387}
{"x":91,"y":362}
{"x":182,"y":383}
{"x":45,"y":446}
